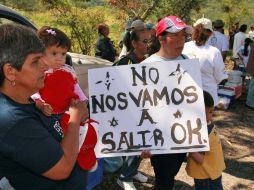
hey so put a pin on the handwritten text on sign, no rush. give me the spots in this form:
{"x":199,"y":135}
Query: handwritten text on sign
{"x":157,"y":107}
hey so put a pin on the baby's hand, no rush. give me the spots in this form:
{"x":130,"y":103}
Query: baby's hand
{"x":44,"y":107}
{"x":47,"y":109}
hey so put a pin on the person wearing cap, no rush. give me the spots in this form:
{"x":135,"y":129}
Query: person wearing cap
{"x":130,"y":26}
{"x":170,"y":32}
{"x":218,"y":39}
{"x":104,"y":47}
{"x":138,"y":25}
{"x":211,"y":63}
{"x":239,"y":39}
{"x":127,"y":28}
{"x":136,"y":42}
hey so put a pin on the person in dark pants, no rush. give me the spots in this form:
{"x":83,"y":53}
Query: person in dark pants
{"x":136,"y":42}
{"x":171,"y":32}
{"x":166,"y":166}
{"x":104,"y":47}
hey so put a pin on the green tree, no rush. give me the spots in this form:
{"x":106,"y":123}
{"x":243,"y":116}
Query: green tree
{"x":133,"y":8}
{"x":22,"y":4}
{"x":232,"y":13}
{"x":181,"y":8}
{"x":82,"y":23}
{"x":88,"y":3}
{"x":159,"y":8}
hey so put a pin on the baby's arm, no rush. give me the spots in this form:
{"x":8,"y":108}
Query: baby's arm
{"x":80,"y":93}
{"x":82,"y":98}
{"x":198,"y":157}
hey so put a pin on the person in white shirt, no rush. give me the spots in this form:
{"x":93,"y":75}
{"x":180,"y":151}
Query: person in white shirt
{"x":212,"y":66}
{"x":239,"y":39}
{"x":218,"y":39}
{"x":244,"y":51}
{"x":251,"y":32}
{"x":170,"y":32}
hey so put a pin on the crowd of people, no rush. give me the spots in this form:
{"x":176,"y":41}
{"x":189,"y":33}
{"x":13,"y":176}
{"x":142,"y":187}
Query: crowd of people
{"x":40,"y":142}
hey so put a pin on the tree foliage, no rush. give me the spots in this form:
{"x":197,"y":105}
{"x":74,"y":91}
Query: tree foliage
{"x":134,"y":8}
{"x":181,"y":8}
{"x":161,"y":8}
{"x":57,"y":4}
{"x":82,"y":23}
{"x":27,"y":5}
{"x":232,"y":13}
{"x":88,"y":3}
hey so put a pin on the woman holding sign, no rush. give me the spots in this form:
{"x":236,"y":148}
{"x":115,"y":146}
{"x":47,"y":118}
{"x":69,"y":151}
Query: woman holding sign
{"x":136,"y":42}
{"x":171,"y":32}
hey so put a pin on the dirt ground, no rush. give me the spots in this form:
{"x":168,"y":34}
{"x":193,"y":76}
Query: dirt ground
{"x":236,"y":127}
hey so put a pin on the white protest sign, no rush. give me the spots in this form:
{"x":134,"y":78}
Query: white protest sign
{"x":156,"y":106}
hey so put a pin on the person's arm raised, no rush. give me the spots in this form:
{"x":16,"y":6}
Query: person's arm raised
{"x":70,"y":144}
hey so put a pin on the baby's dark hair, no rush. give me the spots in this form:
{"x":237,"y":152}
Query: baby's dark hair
{"x":53,"y":36}
{"x":209,"y":102}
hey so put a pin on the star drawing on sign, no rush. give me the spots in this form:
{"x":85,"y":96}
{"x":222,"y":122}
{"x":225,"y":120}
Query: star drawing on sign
{"x":178,"y":114}
{"x":113,"y":122}
{"x":107,"y":81}
{"x":178,"y":73}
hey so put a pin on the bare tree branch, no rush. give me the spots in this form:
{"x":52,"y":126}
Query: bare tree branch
{"x":150,"y":9}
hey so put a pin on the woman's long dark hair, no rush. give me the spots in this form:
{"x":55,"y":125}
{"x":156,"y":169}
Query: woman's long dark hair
{"x":247,"y":43}
{"x":130,"y":36}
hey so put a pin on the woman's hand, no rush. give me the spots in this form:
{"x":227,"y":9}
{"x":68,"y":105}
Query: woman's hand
{"x":69,"y":144}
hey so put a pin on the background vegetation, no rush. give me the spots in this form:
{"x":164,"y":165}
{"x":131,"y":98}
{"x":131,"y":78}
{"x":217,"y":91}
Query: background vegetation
{"x":79,"y":18}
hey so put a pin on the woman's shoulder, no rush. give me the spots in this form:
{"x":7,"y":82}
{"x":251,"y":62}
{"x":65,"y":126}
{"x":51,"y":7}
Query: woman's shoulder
{"x":153,"y":58}
{"x":9,"y":112}
{"x":126,"y":60}
{"x":189,"y":47}
{"x":189,"y":44}
{"x":212,"y":49}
